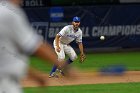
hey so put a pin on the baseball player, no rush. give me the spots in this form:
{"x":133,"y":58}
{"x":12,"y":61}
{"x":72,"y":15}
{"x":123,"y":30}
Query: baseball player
{"x":17,"y":42}
{"x":62,"y":40}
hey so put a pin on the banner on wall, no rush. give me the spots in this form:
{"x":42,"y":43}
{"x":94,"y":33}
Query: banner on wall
{"x":34,"y":3}
{"x":120,"y":24}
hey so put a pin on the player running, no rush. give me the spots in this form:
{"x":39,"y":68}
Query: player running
{"x":62,"y":40}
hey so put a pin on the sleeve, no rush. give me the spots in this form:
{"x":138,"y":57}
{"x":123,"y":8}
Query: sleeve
{"x":63,"y":31}
{"x":79,"y":38}
{"x":24,"y":36}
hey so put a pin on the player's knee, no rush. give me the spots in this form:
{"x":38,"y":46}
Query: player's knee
{"x":61,"y":59}
{"x":74,"y":58}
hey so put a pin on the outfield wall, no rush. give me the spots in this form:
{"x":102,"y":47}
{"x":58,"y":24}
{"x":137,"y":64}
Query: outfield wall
{"x":120,"y":24}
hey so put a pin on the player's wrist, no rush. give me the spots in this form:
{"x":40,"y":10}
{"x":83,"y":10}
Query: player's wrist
{"x":57,"y":45}
{"x":82,"y":53}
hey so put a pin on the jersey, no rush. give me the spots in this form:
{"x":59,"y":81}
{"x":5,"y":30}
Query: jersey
{"x":17,"y":39}
{"x":68,"y":35}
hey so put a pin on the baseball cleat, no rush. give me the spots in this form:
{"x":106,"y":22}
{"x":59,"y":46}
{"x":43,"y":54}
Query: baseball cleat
{"x":60,"y":72}
{"x":53,"y":75}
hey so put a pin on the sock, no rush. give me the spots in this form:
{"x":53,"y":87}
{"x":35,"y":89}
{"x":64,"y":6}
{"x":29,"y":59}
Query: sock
{"x":69,"y":61}
{"x":53,"y":69}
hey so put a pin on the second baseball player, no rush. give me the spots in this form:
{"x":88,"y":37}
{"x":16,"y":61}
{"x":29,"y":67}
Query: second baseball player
{"x":62,"y":40}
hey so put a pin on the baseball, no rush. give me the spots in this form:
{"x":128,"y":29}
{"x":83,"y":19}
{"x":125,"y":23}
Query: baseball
{"x":102,"y":37}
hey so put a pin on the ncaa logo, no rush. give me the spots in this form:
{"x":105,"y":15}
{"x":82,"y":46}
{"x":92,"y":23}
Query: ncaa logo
{"x":56,"y":14}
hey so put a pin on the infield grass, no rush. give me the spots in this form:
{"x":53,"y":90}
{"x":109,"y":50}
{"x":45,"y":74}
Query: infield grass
{"x":95,"y":88}
{"x":95,"y":61}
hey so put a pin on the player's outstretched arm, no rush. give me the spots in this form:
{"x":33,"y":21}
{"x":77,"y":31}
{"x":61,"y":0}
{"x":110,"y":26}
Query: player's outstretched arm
{"x":46,"y":52}
{"x":82,"y":55}
{"x":37,"y":76}
{"x":81,"y":47}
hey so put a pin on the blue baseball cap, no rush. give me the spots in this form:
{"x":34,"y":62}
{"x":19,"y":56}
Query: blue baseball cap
{"x":76,"y":19}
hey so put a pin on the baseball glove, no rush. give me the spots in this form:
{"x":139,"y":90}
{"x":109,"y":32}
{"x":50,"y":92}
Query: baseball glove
{"x":82,"y":58}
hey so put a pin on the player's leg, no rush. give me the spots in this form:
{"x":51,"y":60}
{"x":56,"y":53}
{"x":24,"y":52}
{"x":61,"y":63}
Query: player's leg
{"x":71,"y":53}
{"x":61,"y":57}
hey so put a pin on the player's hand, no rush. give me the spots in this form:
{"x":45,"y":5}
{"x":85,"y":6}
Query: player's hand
{"x":37,"y":76}
{"x":58,"y":49}
{"x":82,"y":58}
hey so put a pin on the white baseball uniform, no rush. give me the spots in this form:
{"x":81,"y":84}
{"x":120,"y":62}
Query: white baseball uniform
{"x":17,"y":42}
{"x":67,"y":36}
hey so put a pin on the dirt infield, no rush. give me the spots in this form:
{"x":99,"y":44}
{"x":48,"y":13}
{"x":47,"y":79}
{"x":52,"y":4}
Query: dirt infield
{"x":86,"y":78}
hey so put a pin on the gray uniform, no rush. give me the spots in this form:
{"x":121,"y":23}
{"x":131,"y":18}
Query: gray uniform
{"x":17,"y":42}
